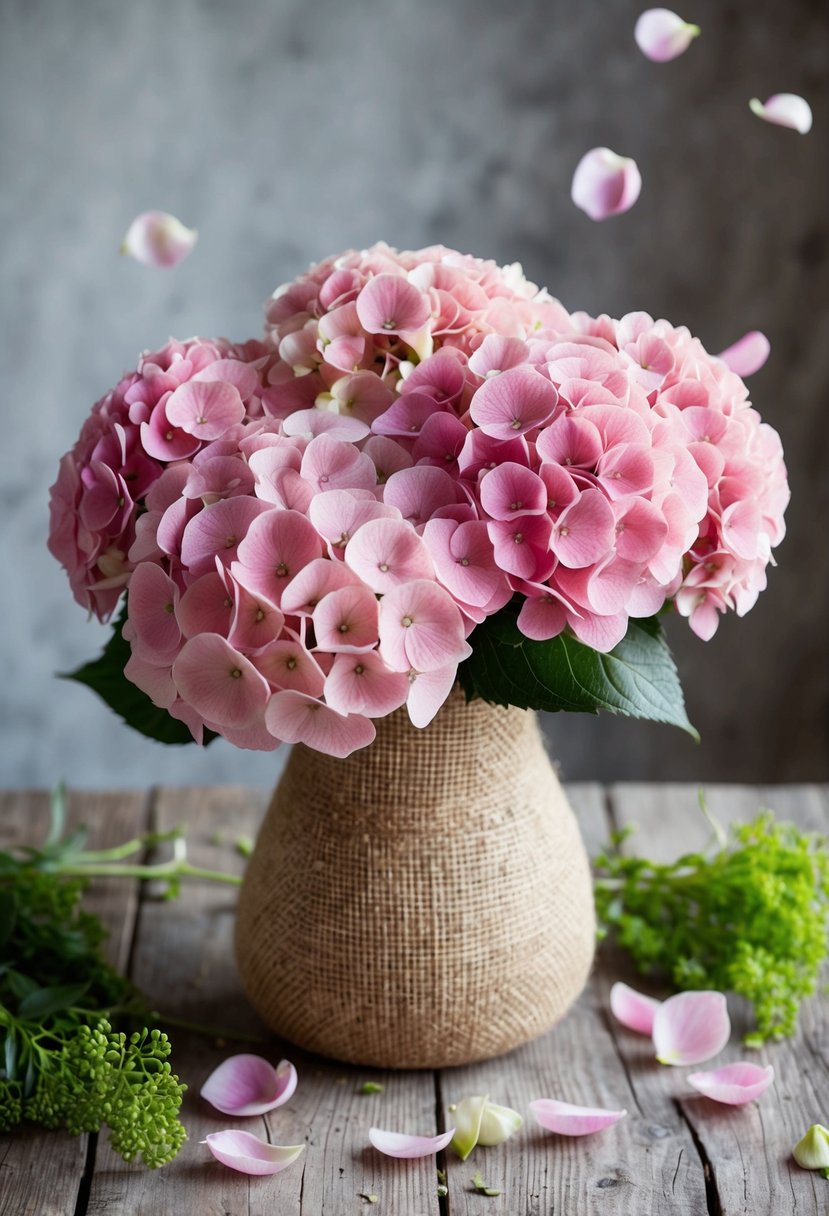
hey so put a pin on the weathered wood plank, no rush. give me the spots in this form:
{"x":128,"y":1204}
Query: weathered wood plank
{"x":646,"y":1163}
{"x":184,"y":960}
{"x":747,"y":1150}
{"x":41,"y":1172}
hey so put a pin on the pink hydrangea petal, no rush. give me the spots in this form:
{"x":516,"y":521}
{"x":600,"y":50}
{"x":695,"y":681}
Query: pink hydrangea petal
{"x":605,"y":184}
{"x":338,"y":514}
{"x":387,"y":552}
{"x":206,"y":409}
{"x":542,"y":616}
{"x":296,"y":718}
{"x":784,"y":110}
{"x":428,"y":691}
{"x":335,"y":464}
{"x":206,"y":607}
{"x":153,"y":679}
{"x":318,"y":422}
{"x":277,"y":545}
{"x":419,"y":492}
{"x":733,"y":1084}
{"x":345,"y":620}
{"x":313,"y":582}
{"x":498,"y":354}
{"x":691,"y":1027}
{"x":512,"y":490}
{"x":362,"y":684}
{"x":249,"y":1085}
{"x":287,"y":665}
{"x":633,"y":1009}
{"x":246,"y":1153}
{"x":747,"y":355}
{"x":421,"y":628}
{"x":157,"y":238}
{"x":241,"y":375}
{"x":389,"y":304}
{"x":585,"y":531}
{"x":152,"y":601}
{"x":464,"y":559}
{"x":512,"y":403}
{"x":662,"y":35}
{"x":407,"y":416}
{"x":217,"y":531}
{"x":399,"y":1144}
{"x":568,"y":1120}
{"x":256,"y":621}
{"x":220,"y":683}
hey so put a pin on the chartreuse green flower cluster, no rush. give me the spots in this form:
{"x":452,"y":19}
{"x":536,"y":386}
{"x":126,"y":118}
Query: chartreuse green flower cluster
{"x":749,"y":915}
{"x":62,"y":1062}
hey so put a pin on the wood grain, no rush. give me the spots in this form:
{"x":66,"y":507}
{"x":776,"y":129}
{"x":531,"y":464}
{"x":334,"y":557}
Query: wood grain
{"x":41,"y":1174}
{"x":183,"y":958}
{"x":746,"y":1151}
{"x":674,"y":1152}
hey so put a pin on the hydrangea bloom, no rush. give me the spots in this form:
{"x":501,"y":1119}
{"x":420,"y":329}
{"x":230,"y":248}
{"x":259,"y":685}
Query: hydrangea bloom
{"x":311,"y":526}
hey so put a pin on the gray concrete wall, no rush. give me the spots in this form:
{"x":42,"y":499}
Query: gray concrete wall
{"x":288,"y":129}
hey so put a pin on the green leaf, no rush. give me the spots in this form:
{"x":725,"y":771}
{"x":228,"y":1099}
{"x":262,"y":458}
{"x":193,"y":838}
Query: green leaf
{"x":44,"y":1002}
{"x":637,"y":678}
{"x":57,"y":810}
{"x":10,"y":1056}
{"x":105,"y":676}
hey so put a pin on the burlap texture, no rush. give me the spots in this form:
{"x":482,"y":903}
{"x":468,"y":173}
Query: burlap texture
{"x":423,"y":903}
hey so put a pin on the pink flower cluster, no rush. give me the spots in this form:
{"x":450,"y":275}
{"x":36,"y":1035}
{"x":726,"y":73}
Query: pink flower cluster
{"x":310,"y":527}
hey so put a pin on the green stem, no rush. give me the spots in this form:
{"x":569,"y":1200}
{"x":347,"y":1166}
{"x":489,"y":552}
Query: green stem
{"x":128,"y":849}
{"x":164,"y":870}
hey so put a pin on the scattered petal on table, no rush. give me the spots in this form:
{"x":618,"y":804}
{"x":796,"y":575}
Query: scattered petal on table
{"x":498,"y":1123}
{"x":248,"y":1154}
{"x":249,"y":1085}
{"x":734,"y":1084}
{"x":633,"y":1009}
{"x":812,"y":1152}
{"x":748,"y":355}
{"x":158,"y":239}
{"x":662,"y":35}
{"x":605,"y":184}
{"x":785,"y":110}
{"x":691,"y":1027}
{"x":398,"y":1144}
{"x":468,"y":1115}
{"x":568,"y":1120}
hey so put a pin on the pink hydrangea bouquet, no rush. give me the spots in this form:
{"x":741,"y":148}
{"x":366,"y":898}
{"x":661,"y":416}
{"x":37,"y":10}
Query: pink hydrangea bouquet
{"x":426,"y":470}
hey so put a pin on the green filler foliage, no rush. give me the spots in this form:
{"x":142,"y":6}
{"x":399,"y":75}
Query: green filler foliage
{"x":749,"y":915}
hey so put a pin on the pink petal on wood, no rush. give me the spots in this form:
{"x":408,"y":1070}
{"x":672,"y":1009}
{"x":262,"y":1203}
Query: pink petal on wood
{"x":398,"y":1144}
{"x":249,"y":1085}
{"x":691,"y":1027}
{"x":734,"y":1084}
{"x":568,"y":1120}
{"x":248,"y":1154}
{"x":633,"y":1009}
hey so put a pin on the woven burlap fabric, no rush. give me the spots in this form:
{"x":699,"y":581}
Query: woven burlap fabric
{"x":426,"y":901}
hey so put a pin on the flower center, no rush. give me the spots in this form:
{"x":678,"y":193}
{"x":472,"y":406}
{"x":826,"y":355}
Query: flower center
{"x":260,"y":615}
{"x":230,"y":541}
{"x":236,"y":673}
{"x":281,"y":570}
{"x":516,"y":424}
{"x":384,"y":566}
{"x":518,"y":538}
{"x":291,"y":663}
{"x":168,"y":608}
{"x":407,"y":621}
{"x":359,"y":669}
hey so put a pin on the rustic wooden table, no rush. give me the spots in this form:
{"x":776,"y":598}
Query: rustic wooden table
{"x":675,"y":1152}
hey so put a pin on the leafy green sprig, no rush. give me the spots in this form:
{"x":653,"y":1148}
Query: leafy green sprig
{"x":749,"y":915}
{"x":62,"y":1064}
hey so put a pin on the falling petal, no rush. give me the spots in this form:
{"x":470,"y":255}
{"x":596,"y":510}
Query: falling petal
{"x":249,"y":1085}
{"x":691,"y":1027}
{"x":734,"y":1084}
{"x":568,"y":1120}
{"x":605,"y":184}
{"x":784,"y":110}
{"x":468,"y":1115}
{"x":812,"y":1152}
{"x":633,"y":1009}
{"x":158,"y":239}
{"x":662,"y":35}
{"x":398,"y":1144}
{"x":248,"y":1154}
{"x":748,"y":355}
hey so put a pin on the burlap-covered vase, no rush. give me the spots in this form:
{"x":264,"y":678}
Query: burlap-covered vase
{"x":425,"y":902}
